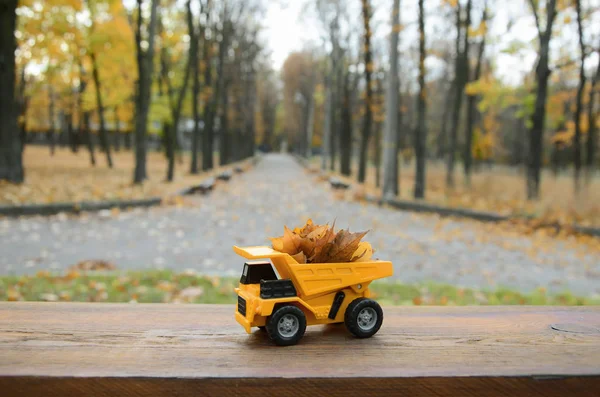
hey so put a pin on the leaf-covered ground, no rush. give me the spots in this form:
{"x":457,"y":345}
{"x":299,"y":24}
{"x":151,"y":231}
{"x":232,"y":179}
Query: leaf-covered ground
{"x":69,"y":177}
{"x":188,"y":287}
{"x":500,"y":189}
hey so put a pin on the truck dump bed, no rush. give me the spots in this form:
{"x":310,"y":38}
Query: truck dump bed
{"x":316,"y":278}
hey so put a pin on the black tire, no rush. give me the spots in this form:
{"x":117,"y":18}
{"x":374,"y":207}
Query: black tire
{"x":363,"y":317}
{"x":286,"y":326}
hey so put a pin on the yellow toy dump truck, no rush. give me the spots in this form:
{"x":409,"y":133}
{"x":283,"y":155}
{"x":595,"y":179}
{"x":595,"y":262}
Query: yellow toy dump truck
{"x":306,"y":294}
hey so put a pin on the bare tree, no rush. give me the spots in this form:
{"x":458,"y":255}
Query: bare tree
{"x":175,"y":97}
{"x":210,"y":104}
{"x":390,"y":134}
{"x":96,"y":76}
{"x":368,"y":117}
{"x":346,"y":127}
{"x":592,"y":129}
{"x":51,"y":119}
{"x":378,"y":128}
{"x":542,"y":73}
{"x":579,"y":100}
{"x":461,"y":75}
{"x":11,"y":163}
{"x":84,"y":116}
{"x":145,"y":65}
{"x":223,"y":80}
{"x":471,"y":104}
{"x":195,"y":59}
{"x":421,"y":130}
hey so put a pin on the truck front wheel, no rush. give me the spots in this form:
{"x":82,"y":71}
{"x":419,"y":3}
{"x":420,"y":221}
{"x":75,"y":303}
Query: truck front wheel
{"x":286,"y":325}
{"x":363,"y":317}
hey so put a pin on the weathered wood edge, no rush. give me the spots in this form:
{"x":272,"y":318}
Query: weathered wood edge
{"x":422,"y":386}
{"x":518,"y":336}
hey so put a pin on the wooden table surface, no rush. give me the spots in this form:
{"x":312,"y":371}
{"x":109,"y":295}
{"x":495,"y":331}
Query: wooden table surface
{"x":151,"y":349}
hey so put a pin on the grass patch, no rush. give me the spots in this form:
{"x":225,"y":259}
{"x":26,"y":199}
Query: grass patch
{"x":170,"y":287}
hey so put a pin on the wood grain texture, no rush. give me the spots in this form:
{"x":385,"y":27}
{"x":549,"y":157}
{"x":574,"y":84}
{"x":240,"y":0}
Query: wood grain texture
{"x":142,"y":349}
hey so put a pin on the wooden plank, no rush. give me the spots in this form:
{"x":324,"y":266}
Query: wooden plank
{"x":143,"y":349}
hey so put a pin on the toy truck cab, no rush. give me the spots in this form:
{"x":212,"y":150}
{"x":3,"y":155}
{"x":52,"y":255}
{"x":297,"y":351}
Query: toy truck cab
{"x":306,"y":294}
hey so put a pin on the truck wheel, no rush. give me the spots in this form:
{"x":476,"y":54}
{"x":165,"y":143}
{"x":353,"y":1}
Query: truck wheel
{"x":286,"y":325}
{"x":363,"y":317}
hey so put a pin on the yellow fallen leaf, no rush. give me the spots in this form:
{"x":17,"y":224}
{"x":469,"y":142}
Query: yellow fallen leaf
{"x":320,"y":244}
{"x":300,"y":257}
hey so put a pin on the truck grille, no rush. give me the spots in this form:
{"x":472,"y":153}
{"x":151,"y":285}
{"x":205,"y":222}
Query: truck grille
{"x":242,"y":306}
{"x":272,"y":289}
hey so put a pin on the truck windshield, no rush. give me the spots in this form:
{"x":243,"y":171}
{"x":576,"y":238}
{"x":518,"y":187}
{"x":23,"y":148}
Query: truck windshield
{"x":254,"y":272}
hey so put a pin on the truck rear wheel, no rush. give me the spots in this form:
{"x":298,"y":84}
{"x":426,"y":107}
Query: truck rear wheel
{"x":363,"y":317}
{"x":286,"y":325}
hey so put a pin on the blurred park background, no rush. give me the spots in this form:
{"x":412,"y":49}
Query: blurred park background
{"x":458,"y":104}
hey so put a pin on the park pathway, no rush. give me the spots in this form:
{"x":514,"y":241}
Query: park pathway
{"x":255,"y":205}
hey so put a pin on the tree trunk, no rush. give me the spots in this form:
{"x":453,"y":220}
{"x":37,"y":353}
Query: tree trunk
{"x":460,"y":77}
{"x":368,"y":118}
{"x":224,"y":134}
{"x":392,"y":93}
{"x":196,"y":115}
{"x":442,"y":140}
{"x":519,"y":142}
{"x":210,"y":106}
{"x":336,"y":92}
{"x":88,"y":137}
{"x":236,"y":137}
{"x":346,"y":130}
{"x":310,"y":123}
{"x":326,"y":122}
{"x":378,"y":137}
{"x":145,"y":63}
{"x":117,"y":131}
{"x":11,"y":163}
{"x":128,"y":138}
{"x":222,"y":91}
{"x":334,"y":135}
{"x":592,"y":129}
{"x":23,"y":104}
{"x":194,"y":57}
{"x":51,"y":119}
{"x":536,"y":134}
{"x":100,"y":108}
{"x":250,"y":119}
{"x":70,"y":131}
{"x":471,"y":107}
{"x":558,"y":147}
{"x":421,"y":131}
{"x":169,"y":130}
{"x":579,"y":102}
{"x":84,"y":117}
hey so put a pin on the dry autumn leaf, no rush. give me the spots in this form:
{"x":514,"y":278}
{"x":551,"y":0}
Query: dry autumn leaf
{"x":321,"y":244}
{"x":342,"y":248}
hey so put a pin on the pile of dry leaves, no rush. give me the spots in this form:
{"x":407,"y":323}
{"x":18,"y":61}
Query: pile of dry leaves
{"x":321,"y":244}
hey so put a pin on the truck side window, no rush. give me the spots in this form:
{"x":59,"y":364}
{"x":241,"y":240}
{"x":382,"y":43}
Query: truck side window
{"x":253,"y":273}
